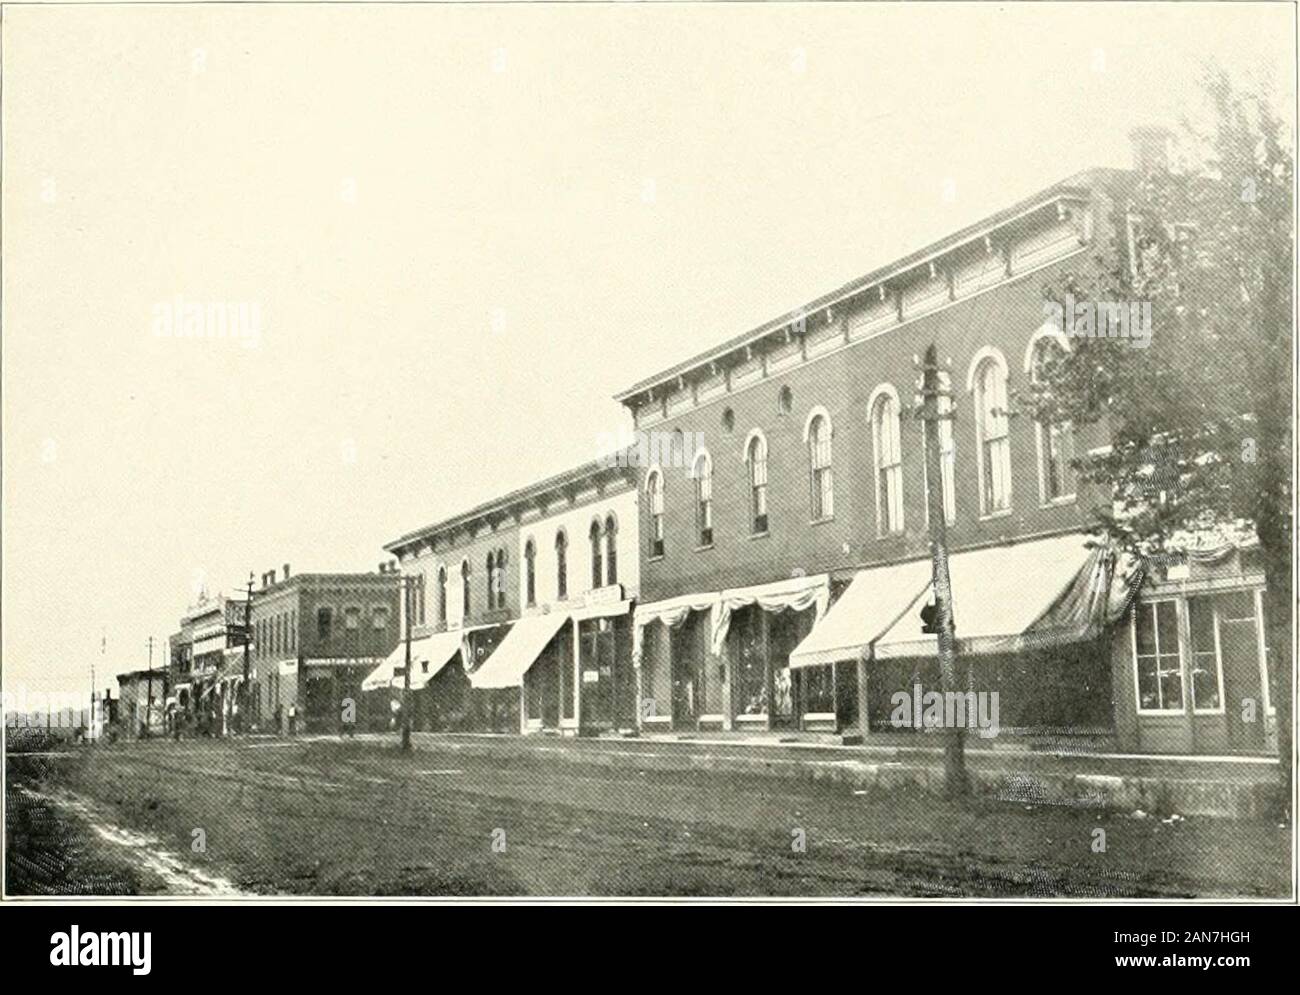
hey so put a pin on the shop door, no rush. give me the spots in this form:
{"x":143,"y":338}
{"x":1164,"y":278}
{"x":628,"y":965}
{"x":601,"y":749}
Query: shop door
{"x":1242,"y":689}
{"x":685,"y":674}
{"x":597,"y":674}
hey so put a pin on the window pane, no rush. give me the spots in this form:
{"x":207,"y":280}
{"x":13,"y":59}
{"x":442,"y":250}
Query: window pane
{"x":1167,"y":626}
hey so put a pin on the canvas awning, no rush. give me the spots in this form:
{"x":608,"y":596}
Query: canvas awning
{"x":795,"y":594}
{"x":518,"y":651}
{"x":873,"y":602}
{"x":428,"y":656}
{"x":1010,"y":598}
{"x":671,"y":612}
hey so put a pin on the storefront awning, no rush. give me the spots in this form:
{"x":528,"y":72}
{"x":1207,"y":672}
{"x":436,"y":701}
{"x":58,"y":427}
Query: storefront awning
{"x":1010,"y":598}
{"x":671,"y":612}
{"x":518,"y":651}
{"x":873,"y":602}
{"x":428,"y":656}
{"x":795,"y":594}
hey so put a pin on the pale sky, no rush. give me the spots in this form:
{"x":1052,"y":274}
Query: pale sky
{"x":463,"y":229}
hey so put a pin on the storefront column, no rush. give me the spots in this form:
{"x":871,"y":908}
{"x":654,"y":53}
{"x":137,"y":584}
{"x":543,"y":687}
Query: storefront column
{"x":864,"y":719}
{"x":769,"y":682}
{"x":577,"y":681}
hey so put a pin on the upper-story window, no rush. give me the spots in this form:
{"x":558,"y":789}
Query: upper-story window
{"x":1055,"y":439}
{"x":654,"y":486}
{"x":947,"y":453}
{"x":489,"y":592}
{"x":530,"y":572}
{"x":442,"y":595}
{"x":611,"y":549}
{"x":324,"y":622}
{"x":464,"y":588}
{"x":756,"y":459}
{"x":597,"y":558}
{"x":351,"y":617}
{"x":993,"y":432}
{"x":500,"y":586}
{"x":702,"y":471}
{"x":817,"y":433}
{"x":561,"y":564}
{"x":379,"y":618}
{"x":886,"y":435}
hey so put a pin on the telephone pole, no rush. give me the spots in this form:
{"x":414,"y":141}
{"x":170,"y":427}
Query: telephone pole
{"x":242,"y":724}
{"x":148,"y":697}
{"x":932,"y":412}
{"x":408,"y":599}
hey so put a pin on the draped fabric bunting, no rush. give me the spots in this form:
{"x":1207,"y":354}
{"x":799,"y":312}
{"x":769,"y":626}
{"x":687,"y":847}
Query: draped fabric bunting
{"x":672,"y":612}
{"x":795,"y":594}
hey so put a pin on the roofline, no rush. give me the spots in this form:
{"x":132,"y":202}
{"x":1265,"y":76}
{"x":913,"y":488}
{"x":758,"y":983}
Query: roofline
{"x":1077,"y":185}
{"x":585,"y":471}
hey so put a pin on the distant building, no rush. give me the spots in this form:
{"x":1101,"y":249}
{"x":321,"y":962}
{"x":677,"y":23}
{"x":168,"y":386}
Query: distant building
{"x":315,"y":637}
{"x":142,"y":693}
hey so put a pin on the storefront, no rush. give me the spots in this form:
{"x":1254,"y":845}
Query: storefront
{"x":1191,"y":664}
{"x":604,"y":691}
{"x":528,"y":664}
{"x":679,"y":680}
{"x":722,"y":659}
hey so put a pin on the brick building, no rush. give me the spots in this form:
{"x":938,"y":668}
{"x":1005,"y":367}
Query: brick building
{"x":523,"y":608}
{"x":784,"y":525}
{"x":315,"y":637}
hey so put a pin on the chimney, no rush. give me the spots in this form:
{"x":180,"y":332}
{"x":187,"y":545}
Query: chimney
{"x":285,"y":568}
{"x":1152,"y":146}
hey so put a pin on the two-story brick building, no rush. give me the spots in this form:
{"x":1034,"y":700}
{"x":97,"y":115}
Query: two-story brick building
{"x":784,"y":528}
{"x":315,"y":638}
{"x":525,"y":619}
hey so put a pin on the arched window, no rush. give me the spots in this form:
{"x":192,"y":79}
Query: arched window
{"x":886,"y":436}
{"x":993,"y":432}
{"x":756,"y":457}
{"x":530,"y":572}
{"x":611,"y":550}
{"x":442,"y":595}
{"x":947,"y":454}
{"x":818,"y":436}
{"x":561,"y":564}
{"x":1055,"y":439}
{"x":597,"y":564}
{"x":490,"y":588}
{"x":464,"y":588}
{"x":501,"y":579}
{"x":702,"y":471}
{"x":654,"y":486}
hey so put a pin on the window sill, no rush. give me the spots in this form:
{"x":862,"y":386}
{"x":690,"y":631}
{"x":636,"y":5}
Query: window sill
{"x":704,"y":548}
{"x":821,"y":521}
{"x":759,"y":535}
{"x":654,"y":559}
{"x":1058,"y":502}
{"x":992,"y":515}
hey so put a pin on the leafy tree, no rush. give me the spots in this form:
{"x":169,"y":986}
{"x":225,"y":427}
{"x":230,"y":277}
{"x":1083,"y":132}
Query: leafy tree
{"x":1200,"y":420}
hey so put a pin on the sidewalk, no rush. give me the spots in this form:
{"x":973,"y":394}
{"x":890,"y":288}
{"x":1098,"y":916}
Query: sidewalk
{"x":1234,"y":787}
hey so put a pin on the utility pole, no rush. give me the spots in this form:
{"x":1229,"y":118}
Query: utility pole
{"x":248,"y":638}
{"x":148,"y":698}
{"x":103,"y":648}
{"x":931,"y":412}
{"x":408,"y":590}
